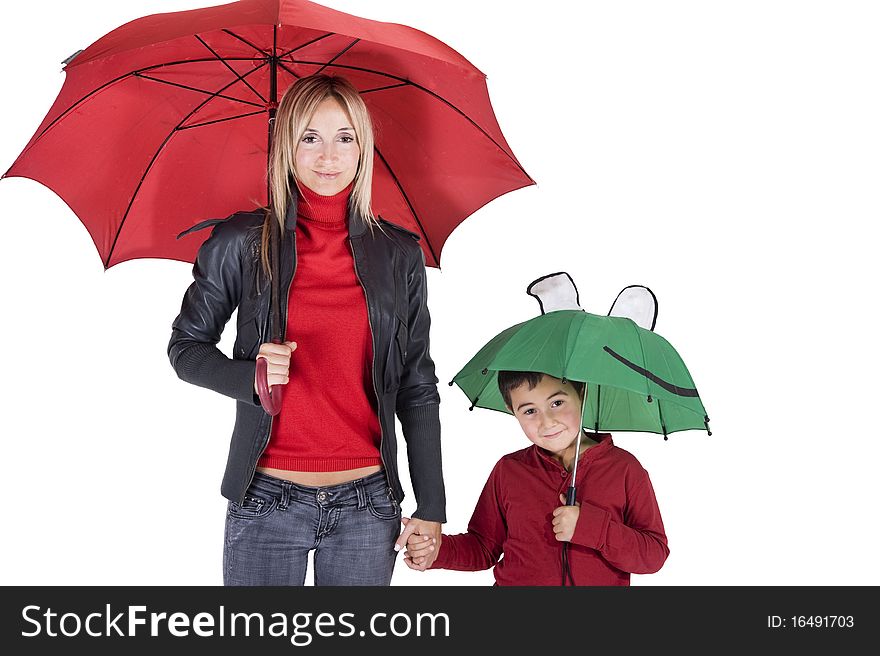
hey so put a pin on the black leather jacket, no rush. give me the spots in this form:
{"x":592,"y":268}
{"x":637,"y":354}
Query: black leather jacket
{"x":390,"y":266}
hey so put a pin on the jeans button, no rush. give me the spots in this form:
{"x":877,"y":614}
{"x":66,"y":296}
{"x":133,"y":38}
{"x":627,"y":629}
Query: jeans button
{"x":322,"y":496}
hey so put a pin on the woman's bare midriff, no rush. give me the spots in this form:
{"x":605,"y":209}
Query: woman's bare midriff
{"x":320,"y":479}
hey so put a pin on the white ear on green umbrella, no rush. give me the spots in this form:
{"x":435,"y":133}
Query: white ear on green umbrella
{"x":555,"y":291}
{"x":638,"y":303}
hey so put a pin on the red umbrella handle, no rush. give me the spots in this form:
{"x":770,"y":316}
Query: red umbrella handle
{"x":270,"y":399}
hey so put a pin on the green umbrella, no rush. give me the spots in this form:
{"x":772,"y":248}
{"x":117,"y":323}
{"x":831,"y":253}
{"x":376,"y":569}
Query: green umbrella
{"x":635,"y":379}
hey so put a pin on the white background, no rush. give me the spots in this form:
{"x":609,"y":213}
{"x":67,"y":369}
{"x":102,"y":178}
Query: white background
{"x":723,"y":153}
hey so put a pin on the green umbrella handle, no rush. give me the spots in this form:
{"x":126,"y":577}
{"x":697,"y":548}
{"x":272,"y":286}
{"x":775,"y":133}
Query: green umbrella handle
{"x":270,"y":398}
{"x":567,"y":578}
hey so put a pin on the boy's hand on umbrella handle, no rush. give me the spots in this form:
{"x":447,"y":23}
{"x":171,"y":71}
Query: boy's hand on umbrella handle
{"x":277,"y":357}
{"x":564,"y":520}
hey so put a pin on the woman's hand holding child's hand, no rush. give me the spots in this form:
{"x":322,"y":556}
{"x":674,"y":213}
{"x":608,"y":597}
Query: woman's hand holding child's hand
{"x":421,"y":550}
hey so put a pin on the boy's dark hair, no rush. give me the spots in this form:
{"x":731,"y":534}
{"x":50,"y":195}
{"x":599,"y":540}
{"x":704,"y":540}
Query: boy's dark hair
{"x":510,"y":380}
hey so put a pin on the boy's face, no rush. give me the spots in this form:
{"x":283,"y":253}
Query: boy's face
{"x":550,"y":414}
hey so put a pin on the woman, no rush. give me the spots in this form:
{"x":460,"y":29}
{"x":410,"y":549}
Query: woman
{"x":322,"y":474}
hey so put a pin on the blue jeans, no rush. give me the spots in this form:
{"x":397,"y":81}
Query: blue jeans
{"x":351,"y":527}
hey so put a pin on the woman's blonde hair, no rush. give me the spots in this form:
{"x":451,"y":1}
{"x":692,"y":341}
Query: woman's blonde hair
{"x":295,"y":111}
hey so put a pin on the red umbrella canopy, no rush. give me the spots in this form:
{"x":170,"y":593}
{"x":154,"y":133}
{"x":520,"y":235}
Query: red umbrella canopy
{"x":163,"y":123}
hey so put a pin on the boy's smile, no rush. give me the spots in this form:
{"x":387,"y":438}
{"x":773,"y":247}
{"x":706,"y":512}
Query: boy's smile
{"x":550,"y":416}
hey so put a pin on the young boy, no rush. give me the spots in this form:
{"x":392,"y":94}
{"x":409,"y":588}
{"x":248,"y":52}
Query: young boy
{"x":614,"y":530}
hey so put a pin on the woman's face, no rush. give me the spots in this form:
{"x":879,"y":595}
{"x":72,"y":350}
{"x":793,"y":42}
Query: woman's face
{"x":328,"y":153}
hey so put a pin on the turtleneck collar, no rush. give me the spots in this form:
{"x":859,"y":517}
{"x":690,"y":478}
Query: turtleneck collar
{"x":586,"y":455}
{"x":323,"y":209}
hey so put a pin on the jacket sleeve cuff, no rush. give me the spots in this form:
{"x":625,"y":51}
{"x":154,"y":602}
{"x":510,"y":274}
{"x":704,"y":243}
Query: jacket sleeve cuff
{"x":206,"y":366}
{"x":235,"y":378}
{"x":591,"y":529}
{"x":421,"y":430}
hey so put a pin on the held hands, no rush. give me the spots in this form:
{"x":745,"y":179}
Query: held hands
{"x":277,"y":358}
{"x":564,"y":520}
{"x":422,"y":541}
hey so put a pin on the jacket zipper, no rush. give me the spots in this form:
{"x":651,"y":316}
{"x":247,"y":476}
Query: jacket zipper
{"x":357,"y":275}
{"x":283,"y":308}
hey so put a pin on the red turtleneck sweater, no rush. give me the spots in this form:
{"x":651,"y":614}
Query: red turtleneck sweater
{"x":328,"y":420}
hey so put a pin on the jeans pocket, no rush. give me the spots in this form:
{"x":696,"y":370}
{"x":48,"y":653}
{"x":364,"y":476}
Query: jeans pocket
{"x":253,"y":507}
{"x":383,"y":506}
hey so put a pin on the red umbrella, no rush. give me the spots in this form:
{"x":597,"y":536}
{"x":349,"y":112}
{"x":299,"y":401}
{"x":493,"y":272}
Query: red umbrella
{"x":164,"y":122}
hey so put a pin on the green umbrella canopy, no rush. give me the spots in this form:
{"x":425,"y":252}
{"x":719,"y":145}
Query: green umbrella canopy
{"x":635,"y":379}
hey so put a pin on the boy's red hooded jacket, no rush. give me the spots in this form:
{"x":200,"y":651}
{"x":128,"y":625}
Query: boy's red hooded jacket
{"x":619,"y":529}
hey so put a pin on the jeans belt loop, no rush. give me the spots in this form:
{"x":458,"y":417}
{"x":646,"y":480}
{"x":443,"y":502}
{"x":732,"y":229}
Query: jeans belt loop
{"x":285,"y":496}
{"x":361,"y":494}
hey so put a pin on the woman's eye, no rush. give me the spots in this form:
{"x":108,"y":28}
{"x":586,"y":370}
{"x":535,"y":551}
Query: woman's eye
{"x":309,"y":138}
{"x":346,"y":138}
